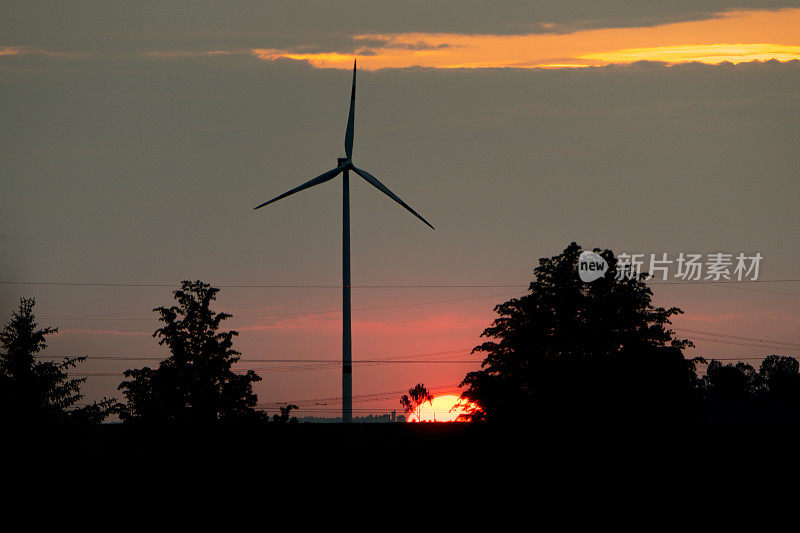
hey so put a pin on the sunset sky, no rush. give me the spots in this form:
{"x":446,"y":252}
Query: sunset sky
{"x":137,"y":137}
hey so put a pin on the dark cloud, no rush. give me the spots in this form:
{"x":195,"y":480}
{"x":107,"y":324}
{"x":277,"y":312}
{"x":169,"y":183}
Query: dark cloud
{"x":320,"y":25}
{"x":360,"y":45}
{"x":370,"y":42}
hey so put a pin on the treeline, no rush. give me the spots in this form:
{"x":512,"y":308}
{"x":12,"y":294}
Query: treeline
{"x":567,"y":351}
{"x":195,"y":384}
{"x":739,"y":393}
{"x":601,"y":352}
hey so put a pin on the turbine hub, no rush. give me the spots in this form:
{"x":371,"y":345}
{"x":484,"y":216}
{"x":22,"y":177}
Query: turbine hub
{"x":341,"y":161}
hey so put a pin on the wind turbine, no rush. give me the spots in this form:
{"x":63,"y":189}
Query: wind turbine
{"x":344,"y":166}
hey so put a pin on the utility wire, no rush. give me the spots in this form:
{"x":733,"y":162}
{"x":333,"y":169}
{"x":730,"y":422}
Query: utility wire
{"x":366,"y":396}
{"x":724,"y":338}
{"x":234,"y":317}
{"x":725,"y":335}
{"x":334,"y":365}
{"x":375,"y":286}
{"x":726,"y":284}
{"x":259,"y":286}
{"x":273,"y":370}
{"x":162,"y":357}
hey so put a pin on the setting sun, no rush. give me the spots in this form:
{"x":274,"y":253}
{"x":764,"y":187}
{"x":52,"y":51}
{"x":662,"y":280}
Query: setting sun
{"x":444,"y":408}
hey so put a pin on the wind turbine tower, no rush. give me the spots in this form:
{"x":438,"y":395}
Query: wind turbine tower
{"x":343,"y":166}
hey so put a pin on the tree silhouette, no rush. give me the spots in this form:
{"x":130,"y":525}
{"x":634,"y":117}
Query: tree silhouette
{"x":572,"y":350}
{"x":731,"y":391}
{"x":33,"y":391}
{"x":737,"y":393}
{"x":285,"y":416}
{"x":416,"y":397}
{"x":196,"y":384}
{"x":780,"y":376}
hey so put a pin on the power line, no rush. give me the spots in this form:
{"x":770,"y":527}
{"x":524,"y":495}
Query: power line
{"x":373,"y":286}
{"x":332,"y":364}
{"x":723,"y":338}
{"x":748,"y":358}
{"x":331,"y":311}
{"x":366,"y":410}
{"x":760,"y":290}
{"x":305,"y":364}
{"x":721,"y":282}
{"x":311,"y":404}
{"x":162,"y":357}
{"x":234,"y":317}
{"x":374,"y":396}
{"x":261,"y":286}
{"x":749,"y":345}
{"x":308,"y":364}
{"x":725,"y":335}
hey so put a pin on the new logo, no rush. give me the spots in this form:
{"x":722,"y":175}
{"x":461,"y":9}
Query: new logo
{"x":591,"y":266}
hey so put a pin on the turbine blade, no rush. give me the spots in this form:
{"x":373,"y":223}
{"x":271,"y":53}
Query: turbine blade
{"x":322,"y":178}
{"x":348,"y":136}
{"x":381,"y":187}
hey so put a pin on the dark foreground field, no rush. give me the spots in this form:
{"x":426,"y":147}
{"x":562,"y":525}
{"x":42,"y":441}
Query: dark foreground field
{"x":390,"y":445}
{"x":275,"y":464}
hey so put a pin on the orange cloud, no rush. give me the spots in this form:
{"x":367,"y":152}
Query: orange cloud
{"x":709,"y":53}
{"x":21,"y":50}
{"x":735,"y":36}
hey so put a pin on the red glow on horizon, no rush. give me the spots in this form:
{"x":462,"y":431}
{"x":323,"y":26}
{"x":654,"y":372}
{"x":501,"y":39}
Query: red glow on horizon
{"x":445,"y":408}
